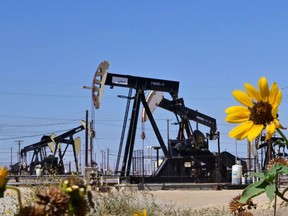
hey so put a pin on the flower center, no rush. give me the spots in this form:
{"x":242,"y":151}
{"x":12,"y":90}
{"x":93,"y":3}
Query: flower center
{"x":261,"y":113}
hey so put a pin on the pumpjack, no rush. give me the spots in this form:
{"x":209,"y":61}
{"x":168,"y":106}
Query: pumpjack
{"x":189,"y":156}
{"x":49,"y":154}
{"x":186,"y":158}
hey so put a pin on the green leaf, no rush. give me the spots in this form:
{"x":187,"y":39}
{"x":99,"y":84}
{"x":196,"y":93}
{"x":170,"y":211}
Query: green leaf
{"x":253,"y":190}
{"x":270,"y":191}
{"x":260,"y":175}
{"x":284,"y":170}
{"x":275,"y":169}
{"x":270,"y":177}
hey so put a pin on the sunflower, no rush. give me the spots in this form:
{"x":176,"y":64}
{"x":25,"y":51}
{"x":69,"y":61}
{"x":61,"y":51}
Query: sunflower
{"x":3,"y":180}
{"x":3,"y":176}
{"x":259,"y":110}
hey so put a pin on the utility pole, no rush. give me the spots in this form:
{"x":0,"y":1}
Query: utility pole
{"x":19,"y":147}
{"x":91,"y":142}
{"x":108,"y":159}
{"x":11,"y":157}
{"x":249,"y":156}
{"x":86,"y":140}
{"x":102,"y":160}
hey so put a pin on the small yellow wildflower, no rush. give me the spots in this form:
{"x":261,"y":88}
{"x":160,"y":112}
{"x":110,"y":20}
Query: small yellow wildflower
{"x":259,"y":110}
{"x":143,"y":213}
{"x":3,"y":176}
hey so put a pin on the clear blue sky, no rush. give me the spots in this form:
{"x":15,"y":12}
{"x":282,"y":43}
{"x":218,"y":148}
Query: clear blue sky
{"x":49,"y":49}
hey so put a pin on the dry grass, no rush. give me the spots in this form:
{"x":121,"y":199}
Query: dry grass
{"x":122,"y":202}
{"x":125,"y":202}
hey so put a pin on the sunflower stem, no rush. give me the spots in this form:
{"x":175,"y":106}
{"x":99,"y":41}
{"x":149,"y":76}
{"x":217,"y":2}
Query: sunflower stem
{"x":282,"y":135}
{"x":18,"y":193}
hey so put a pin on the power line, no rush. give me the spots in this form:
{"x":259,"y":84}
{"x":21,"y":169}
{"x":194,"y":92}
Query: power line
{"x":42,"y":95}
{"x":36,"y":125}
{"x":29,"y":136}
{"x":33,"y":117}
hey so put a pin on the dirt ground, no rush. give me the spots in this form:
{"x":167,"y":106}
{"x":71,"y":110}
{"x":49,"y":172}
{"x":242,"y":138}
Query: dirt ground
{"x":198,"y":199}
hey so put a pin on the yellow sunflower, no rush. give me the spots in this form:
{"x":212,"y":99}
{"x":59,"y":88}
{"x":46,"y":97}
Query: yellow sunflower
{"x":3,"y":176}
{"x":259,"y":110}
{"x":3,"y":180}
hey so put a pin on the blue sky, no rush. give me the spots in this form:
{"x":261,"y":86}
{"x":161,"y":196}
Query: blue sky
{"x":48,"y":50}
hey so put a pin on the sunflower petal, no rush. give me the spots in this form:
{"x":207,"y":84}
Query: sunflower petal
{"x":252,"y":92}
{"x":240,"y":129}
{"x":278,"y":99}
{"x":243,"y":98}
{"x":237,"y":109}
{"x":273,"y":93}
{"x":274,"y":112}
{"x":278,"y":125}
{"x":263,"y":88}
{"x":237,"y":117}
{"x":270,"y":128}
{"x":243,"y":135}
{"x":255,"y":131}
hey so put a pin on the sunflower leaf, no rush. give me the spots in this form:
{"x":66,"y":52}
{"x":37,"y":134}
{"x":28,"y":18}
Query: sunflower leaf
{"x":284,"y":170}
{"x":270,"y":191}
{"x":260,"y":175}
{"x":253,"y":190}
{"x":277,"y":168}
